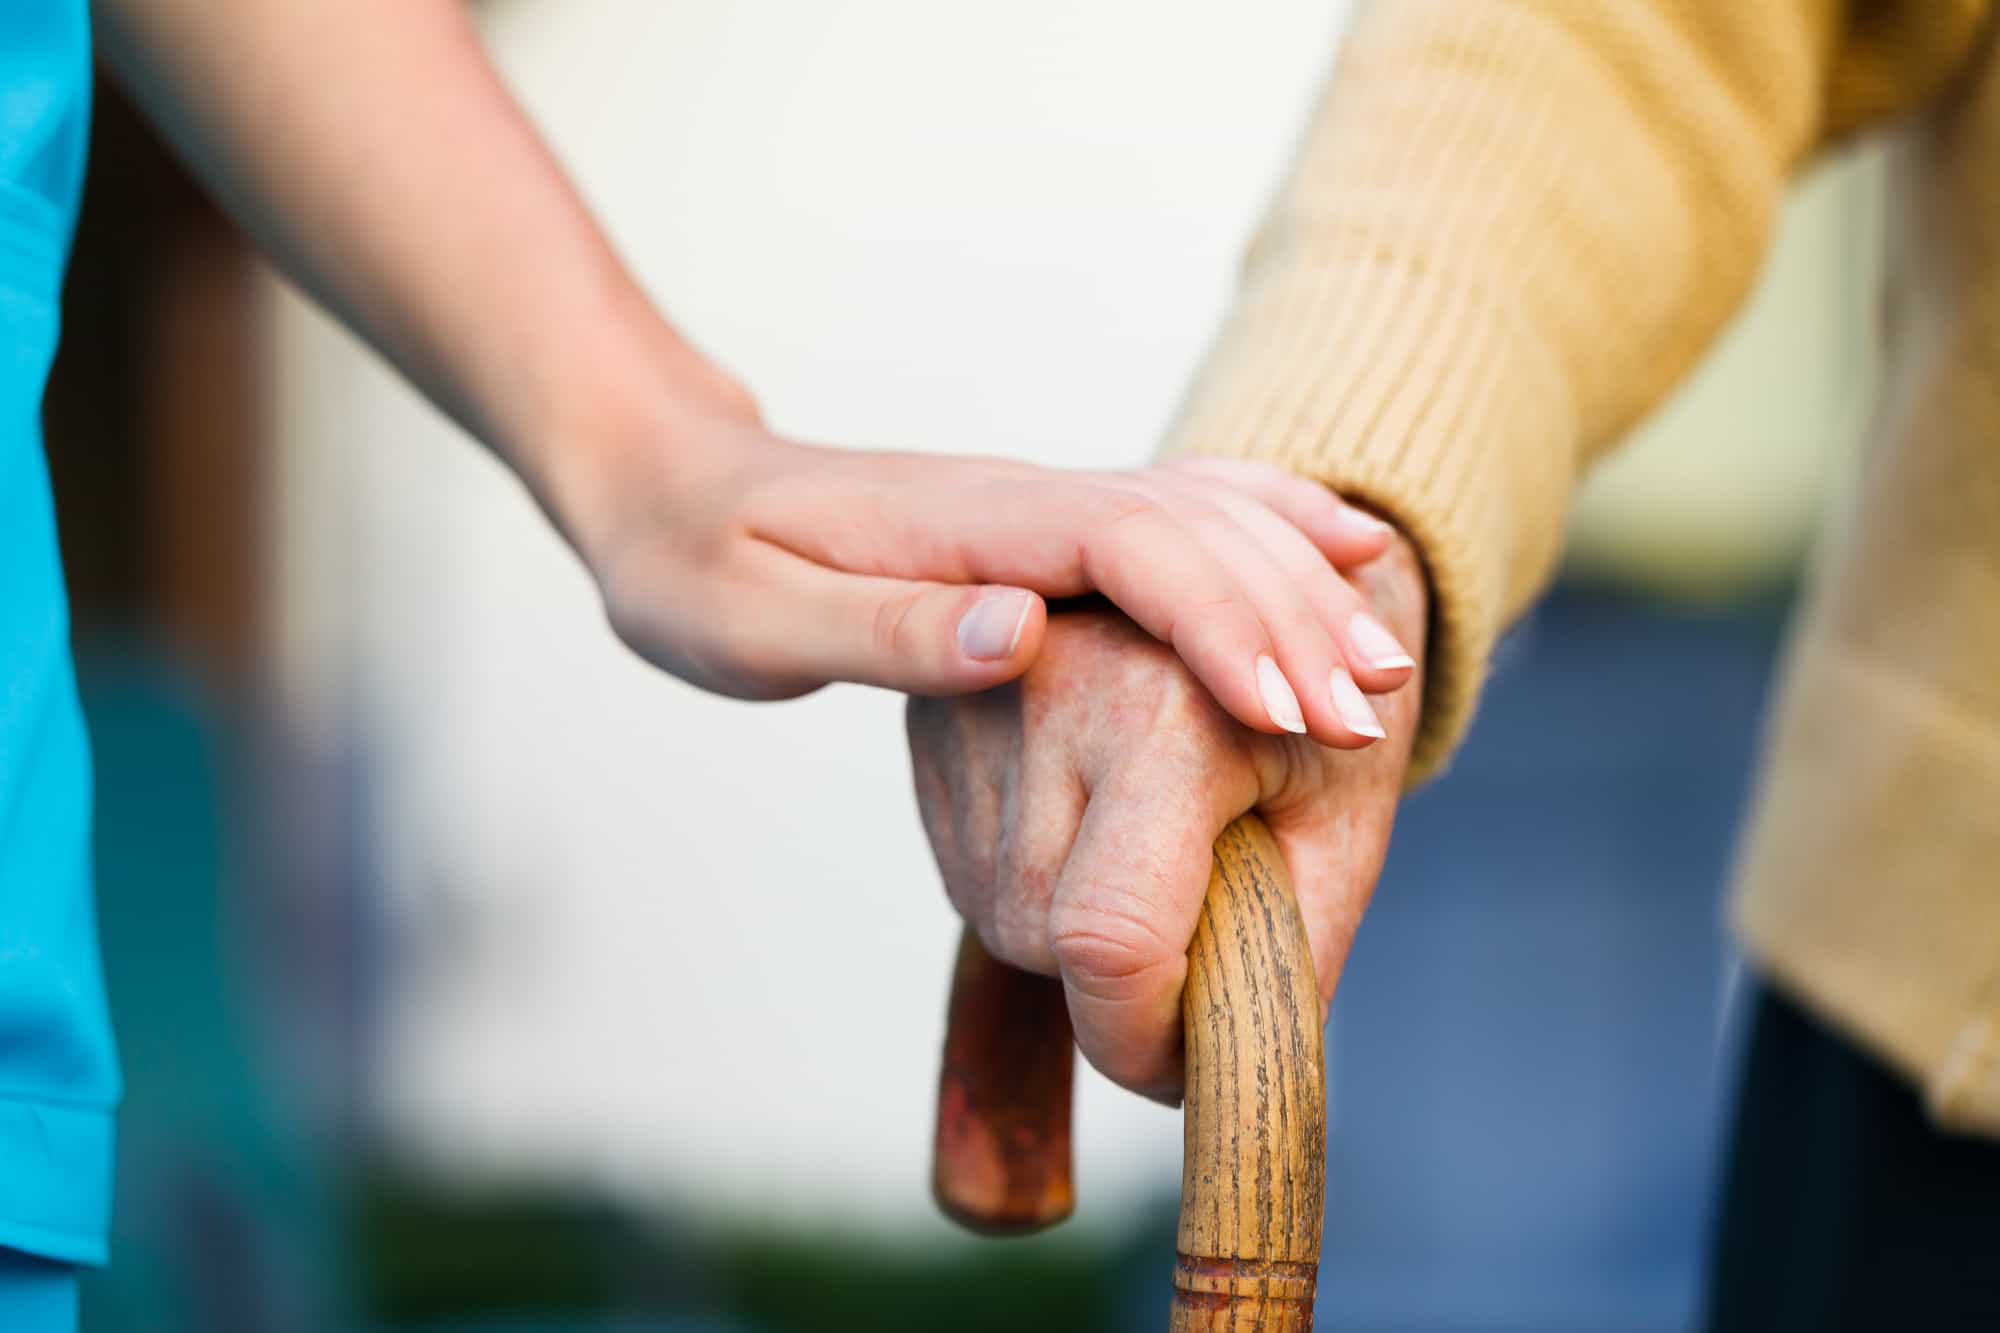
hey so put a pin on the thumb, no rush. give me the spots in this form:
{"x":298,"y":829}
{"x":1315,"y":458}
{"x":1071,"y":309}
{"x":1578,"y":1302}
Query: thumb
{"x":1124,"y":909}
{"x":913,"y":636}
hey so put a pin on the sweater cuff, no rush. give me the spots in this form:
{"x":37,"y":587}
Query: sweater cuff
{"x":1425,"y":398}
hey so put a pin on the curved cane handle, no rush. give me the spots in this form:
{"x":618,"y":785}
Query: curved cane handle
{"x":1253,"y":1183}
{"x":1001,"y":1164}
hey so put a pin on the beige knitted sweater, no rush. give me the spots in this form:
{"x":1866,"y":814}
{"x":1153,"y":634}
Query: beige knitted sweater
{"x":1513,"y":226}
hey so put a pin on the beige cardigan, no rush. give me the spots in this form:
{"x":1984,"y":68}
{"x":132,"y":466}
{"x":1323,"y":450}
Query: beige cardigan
{"x":1513,"y":226}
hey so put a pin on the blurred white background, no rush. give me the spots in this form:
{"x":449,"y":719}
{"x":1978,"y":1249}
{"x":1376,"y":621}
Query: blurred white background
{"x":676,"y":947}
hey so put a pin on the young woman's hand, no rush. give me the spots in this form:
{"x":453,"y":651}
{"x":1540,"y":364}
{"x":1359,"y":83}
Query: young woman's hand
{"x":740,"y":561}
{"x":763,"y":568}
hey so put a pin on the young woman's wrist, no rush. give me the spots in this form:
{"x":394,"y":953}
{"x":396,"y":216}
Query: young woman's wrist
{"x":636,"y":409}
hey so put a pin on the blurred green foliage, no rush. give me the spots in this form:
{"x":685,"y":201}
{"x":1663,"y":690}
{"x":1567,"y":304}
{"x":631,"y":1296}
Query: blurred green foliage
{"x":433,"y":1258}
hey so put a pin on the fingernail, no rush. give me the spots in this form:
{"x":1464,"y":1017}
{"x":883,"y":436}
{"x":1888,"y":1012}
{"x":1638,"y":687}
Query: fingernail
{"x":991,"y":630}
{"x":1367,"y":522}
{"x":1279,"y":701}
{"x":1377,"y":644}
{"x":1352,"y":705}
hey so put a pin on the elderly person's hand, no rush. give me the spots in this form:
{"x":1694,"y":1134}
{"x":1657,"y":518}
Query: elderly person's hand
{"x":1072,"y":814}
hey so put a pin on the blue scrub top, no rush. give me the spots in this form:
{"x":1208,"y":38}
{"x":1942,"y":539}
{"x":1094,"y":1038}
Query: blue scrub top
{"x":58,"y":1074}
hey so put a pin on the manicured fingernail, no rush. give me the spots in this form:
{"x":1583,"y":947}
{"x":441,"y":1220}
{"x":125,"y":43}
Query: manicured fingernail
{"x":1279,"y":701}
{"x":1366,"y":522}
{"x":1352,"y":705}
{"x":1377,"y":644}
{"x":991,"y":630}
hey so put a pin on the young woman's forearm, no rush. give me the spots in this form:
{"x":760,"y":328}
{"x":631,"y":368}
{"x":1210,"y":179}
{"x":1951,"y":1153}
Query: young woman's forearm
{"x":369,"y":147}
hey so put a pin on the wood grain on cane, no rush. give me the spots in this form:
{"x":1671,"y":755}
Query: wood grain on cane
{"x":1253,"y":1182}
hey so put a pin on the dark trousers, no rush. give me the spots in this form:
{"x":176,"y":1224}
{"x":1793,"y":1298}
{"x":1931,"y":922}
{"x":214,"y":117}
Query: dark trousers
{"x":1843,"y":1208}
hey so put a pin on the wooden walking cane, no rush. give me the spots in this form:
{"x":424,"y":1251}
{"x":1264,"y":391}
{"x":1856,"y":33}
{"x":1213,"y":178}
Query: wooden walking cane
{"x":1253,"y":1181}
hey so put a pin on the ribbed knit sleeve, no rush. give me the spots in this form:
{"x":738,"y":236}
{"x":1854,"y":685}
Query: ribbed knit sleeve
{"x":1512,"y":227}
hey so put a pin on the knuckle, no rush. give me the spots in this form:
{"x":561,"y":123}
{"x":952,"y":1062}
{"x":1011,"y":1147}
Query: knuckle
{"x":1027,"y":877}
{"x":932,"y":790}
{"x":1303,"y":629}
{"x":1205,"y":513}
{"x":925,"y":720}
{"x":966,"y":887}
{"x":1222,"y":622}
{"x":958,"y":891}
{"x":1018,"y":935}
{"x":1290,"y":777}
{"x":1127,"y":515}
{"x":1178,"y":488}
{"x":1181,"y":705}
{"x":1108,"y":952}
{"x":1214,"y":527}
{"x":1339,"y":591}
{"x":990,"y":938}
{"x":890,"y":631}
{"x":1155,"y":701}
{"x":1221,"y":611}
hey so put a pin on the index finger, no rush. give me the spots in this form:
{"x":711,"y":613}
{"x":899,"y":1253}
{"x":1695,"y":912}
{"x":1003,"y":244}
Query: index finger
{"x":1124,"y":911}
{"x":1065,"y":537}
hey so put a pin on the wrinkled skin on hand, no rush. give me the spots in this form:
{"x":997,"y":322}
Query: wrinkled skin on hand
{"x":1072,"y":814}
